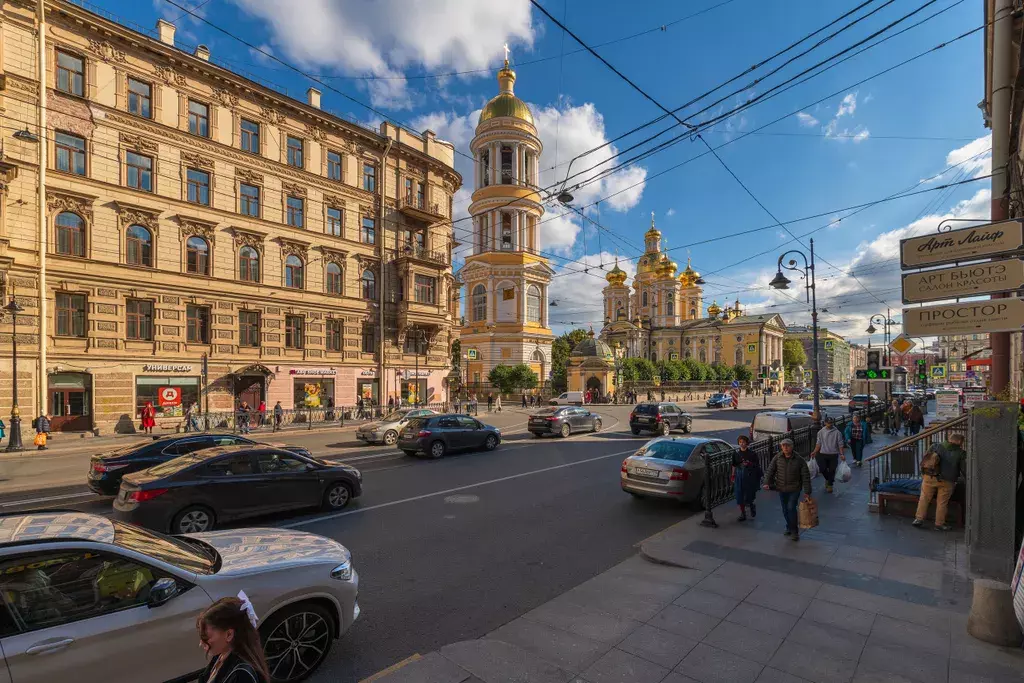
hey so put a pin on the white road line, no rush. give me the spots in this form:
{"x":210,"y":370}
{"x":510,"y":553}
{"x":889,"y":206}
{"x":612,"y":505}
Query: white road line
{"x":30,"y":501}
{"x":336,"y":515}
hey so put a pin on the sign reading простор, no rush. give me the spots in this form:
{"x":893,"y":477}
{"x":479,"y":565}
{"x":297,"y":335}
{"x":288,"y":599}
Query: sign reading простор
{"x":996,"y":315}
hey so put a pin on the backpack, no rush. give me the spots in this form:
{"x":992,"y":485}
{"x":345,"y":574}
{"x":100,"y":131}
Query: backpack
{"x":930,"y":463}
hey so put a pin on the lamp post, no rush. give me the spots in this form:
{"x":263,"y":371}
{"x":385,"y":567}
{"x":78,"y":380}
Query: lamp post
{"x":885,"y":321}
{"x":14,"y":442}
{"x":780,"y":281}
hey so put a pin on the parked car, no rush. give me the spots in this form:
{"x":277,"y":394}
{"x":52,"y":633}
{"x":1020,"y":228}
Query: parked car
{"x":669,"y":467}
{"x":107,"y":469}
{"x":568,"y":398}
{"x":82,"y":591}
{"x":831,"y":394}
{"x":563,"y":420}
{"x":435,"y":435}
{"x":386,"y":429}
{"x":659,"y":418}
{"x":718,"y":401}
{"x":775,"y":422}
{"x":198,"y":491}
{"x":794,"y":390}
{"x":860,"y":401}
{"x":807,"y":394}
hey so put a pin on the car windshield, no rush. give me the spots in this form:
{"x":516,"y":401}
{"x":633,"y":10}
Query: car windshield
{"x":676,"y":451}
{"x":802,"y":406}
{"x":181,"y":462}
{"x":718,"y":396}
{"x":415,"y":423}
{"x":646,"y":409}
{"x":188,"y":554}
{"x":395,"y":416}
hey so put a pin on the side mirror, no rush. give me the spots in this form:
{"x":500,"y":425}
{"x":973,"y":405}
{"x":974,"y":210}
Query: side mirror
{"x":162,"y":591}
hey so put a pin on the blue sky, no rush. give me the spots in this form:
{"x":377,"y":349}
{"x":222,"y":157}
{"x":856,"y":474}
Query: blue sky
{"x":866,"y":142}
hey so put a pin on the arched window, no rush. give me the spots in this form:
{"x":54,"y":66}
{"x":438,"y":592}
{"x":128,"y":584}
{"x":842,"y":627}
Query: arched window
{"x":533,"y":304}
{"x":248,"y":264}
{"x":197,"y":256}
{"x":369,"y":282}
{"x":643,"y":298}
{"x":654,"y":357}
{"x":479,"y":303}
{"x":670,"y":306}
{"x":693,"y":314}
{"x":140,"y":246}
{"x":333,"y":278}
{"x":739,"y":355}
{"x":703,"y":356}
{"x":70,"y":234}
{"x":293,"y":272}
{"x":688,"y":354}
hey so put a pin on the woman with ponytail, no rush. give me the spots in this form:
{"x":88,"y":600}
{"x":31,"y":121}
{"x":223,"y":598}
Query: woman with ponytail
{"x":227,"y":632}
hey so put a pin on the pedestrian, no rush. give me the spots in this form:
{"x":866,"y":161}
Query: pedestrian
{"x":490,"y":402}
{"x":895,"y":414}
{"x":940,"y":469}
{"x":42,"y":431}
{"x":329,"y":414}
{"x":261,"y":417}
{"x":458,"y":403}
{"x":746,"y":475}
{"x":148,"y":418}
{"x":278,"y":416}
{"x":856,"y":438}
{"x":532,"y":400}
{"x":907,"y":408}
{"x":524,"y":400}
{"x":788,"y":474}
{"x":192,"y":421}
{"x":497,"y":403}
{"x":916,"y":419}
{"x":828,"y":451}
{"x":227,"y":632}
{"x":391,"y":403}
{"x":3,"y":432}
{"x":243,"y":418}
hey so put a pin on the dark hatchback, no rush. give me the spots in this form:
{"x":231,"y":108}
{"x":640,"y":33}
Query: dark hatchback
{"x":107,"y":469}
{"x":209,"y":487}
{"x":563,"y":420}
{"x":437,"y":434}
{"x":659,"y":418}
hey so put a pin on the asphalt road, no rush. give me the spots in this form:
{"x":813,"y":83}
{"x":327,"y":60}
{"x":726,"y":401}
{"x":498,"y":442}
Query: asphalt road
{"x":448,"y":550}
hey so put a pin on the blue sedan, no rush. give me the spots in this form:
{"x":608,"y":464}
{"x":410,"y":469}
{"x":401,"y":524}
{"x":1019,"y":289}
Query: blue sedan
{"x":719,"y":401}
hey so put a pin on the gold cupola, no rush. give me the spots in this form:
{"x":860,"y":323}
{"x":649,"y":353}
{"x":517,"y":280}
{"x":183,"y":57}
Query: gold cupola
{"x":689,"y":276}
{"x":667,"y":267}
{"x":505,"y":103}
{"x":714,"y":310}
{"x":616,"y":276}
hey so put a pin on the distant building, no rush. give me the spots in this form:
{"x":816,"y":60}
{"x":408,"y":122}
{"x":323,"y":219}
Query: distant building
{"x":963,"y":354}
{"x":833,"y":353}
{"x":858,"y":358}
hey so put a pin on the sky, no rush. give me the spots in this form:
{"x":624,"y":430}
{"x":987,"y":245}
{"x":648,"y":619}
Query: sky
{"x":800,"y":146}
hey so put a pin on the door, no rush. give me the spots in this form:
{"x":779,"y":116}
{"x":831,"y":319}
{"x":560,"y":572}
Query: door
{"x":285,"y":482}
{"x":70,"y":410}
{"x":670,"y":416}
{"x":228,"y":486}
{"x":579,"y":418}
{"x":473,"y":433}
{"x":452,"y":431}
{"x":80,"y":610}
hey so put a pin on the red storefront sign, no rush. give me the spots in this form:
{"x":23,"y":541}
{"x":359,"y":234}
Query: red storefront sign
{"x":168,"y":397}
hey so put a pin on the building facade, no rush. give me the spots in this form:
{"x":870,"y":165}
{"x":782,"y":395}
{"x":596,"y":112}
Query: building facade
{"x":963,"y":355}
{"x":506,"y":278}
{"x":197,"y":220}
{"x":833,"y":353}
{"x":859,"y":358}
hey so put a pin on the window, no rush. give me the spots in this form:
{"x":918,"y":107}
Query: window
{"x":198,"y":324}
{"x":369,"y":339}
{"x":479,"y":303}
{"x":334,"y":166}
{"x":368,"y":233}
{"x":506,"y":231}
{"x":249,"y":200}
{"x":198,"y":119}
{"x":198,"y":186}
{"x":485,"y":233}
{"x":296,"y":205}
{"x":333,"y":278}
{"x":293,"y":272}
{"x":249,"y":329}
{"x":231,"y":466}
{"x":69,"y":153}
{"x":369,"y":285}
{"x":421,"y":198}
{"x":249,"y":136}
{"x":643,"y":299}
{"x":293,"y":331}
{"x":369,"y":177}
{"x":140,"y":171}
{"x":506,"y":166}
{"x":485,"y":167}
{"x":334,"y":334}
{"x":140,"y":247}
{"x":248,"y":264}
{"x":670,"y":306}
{"x":426,"y":289}
{"x":335,"y":222}
{"x":416,"y":240}
{"x":270,"y":462}
{"x":533,"y":304}
{"x":408,"y":190}
{"x":70,"y":315}
{"x":139,"y":96}
{"x":70,"y":74}
{"x":197,"y":256}
{"x":70,"y":234}
{"x":295,"y":152}
{"x":139,"y":316}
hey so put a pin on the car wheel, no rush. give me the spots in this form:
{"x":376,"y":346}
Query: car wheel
{"x":437,"y":449}
{"x":665,"y":429}
{"x":337,"y":496}
{"x":566,"y":430}
{"x":390,"y":437}
{"x":192,"y":520}
{"x":410,"y":453}
{"x":597,"y":425}
{"x":636,"y":432}
{"x":686,"y":427}
{"x":296,"y":639}
{"x":491,"y":442}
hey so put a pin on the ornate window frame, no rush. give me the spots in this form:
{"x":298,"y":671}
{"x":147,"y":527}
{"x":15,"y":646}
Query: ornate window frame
{"x":133,"y":214}
{"x":57,"y":202}
{"x":196,"y":227}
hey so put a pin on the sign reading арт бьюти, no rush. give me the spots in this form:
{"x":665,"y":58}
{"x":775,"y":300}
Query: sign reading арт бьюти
{"x":966,"y":244}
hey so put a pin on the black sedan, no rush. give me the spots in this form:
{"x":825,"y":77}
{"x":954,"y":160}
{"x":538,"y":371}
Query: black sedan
{"x":198,"y":491}
{"x":107,"y":469}
{"x":719,"y":401}
{"x":563,"y":420}
{"x":435,"y":435}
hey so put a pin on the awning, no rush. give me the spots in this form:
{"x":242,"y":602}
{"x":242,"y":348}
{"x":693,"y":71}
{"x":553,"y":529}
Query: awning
{"x":258,"y":369}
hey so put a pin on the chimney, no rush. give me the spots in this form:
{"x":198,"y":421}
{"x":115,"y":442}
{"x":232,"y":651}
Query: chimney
{"x":203,"y":52}
{"x":165,"y":30}
{"x":313,"y":97}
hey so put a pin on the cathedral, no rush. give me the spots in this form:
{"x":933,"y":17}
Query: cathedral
{"x":662,"y":317}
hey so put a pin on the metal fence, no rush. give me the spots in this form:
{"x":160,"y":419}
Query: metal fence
{"x":298,"y":418}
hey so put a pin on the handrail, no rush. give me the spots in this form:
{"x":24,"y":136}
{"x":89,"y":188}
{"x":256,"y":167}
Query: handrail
{"x":932,"y":429}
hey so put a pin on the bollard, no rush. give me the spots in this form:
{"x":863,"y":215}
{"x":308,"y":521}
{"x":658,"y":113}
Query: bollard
{"x":709,"y":514}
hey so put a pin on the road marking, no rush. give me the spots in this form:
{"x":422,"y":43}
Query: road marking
{"x":336,"y":515}
{"x":392,"y":669}
{"x":31,"y":501}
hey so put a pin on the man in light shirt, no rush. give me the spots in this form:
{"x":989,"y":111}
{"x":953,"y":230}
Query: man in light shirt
{"x":828,"y":451}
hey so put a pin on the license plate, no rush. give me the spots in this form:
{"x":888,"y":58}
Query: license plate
{"x":644,"y":472}
{"x":645,"y":419}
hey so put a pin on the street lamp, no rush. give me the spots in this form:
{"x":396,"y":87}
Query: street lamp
{"x":780,"y":281}
{"x":14,"y":442}
{"x":885,"y":321}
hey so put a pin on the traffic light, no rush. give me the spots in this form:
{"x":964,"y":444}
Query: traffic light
{"x":882,"y":374}
{"x":874,"y":359}
{"x":922,"y":372}
{"x":765,"y":372}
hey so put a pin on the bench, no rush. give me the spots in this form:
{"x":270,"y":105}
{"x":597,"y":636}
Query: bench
{"x":955,"y":510}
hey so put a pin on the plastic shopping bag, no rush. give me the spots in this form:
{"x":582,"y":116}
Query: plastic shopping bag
{"x":844,"y":473}
{"x":40,"y":439}
{"x":807,"y":514}
{"x":812,"y":465}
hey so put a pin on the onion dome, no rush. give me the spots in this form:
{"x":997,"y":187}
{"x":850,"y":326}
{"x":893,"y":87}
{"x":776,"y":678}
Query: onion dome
{"x":714,"y":310}
{"x":505,"y":103}
{"x":667,"y":267}
{"x":689,"y":276}
{"x":653,"y":232}
{"x":616,"y":276}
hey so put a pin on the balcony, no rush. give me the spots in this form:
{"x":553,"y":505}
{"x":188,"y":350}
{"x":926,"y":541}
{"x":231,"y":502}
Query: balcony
{"x":422,"y":210}
{"x":412,"y":313}
{"x":415,"y":252}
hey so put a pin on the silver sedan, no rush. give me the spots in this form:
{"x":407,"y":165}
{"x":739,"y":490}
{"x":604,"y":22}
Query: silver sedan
{"x":669,"y":467}
{"x":386,"y":429}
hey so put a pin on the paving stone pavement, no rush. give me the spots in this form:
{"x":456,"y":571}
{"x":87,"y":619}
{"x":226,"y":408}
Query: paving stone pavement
{"x":861,"y":599}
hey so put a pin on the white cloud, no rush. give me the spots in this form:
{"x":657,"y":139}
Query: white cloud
{"x":558,"y":232}
{"x":578,"y":293}
{"x":670,"y":213}
{"x":978,"y":151}
{"x":847,"y":106}
{"x":868,"y":98}
{"x":806,"y":120}
{"x":385,"y":37}
{"x":861,"y":135}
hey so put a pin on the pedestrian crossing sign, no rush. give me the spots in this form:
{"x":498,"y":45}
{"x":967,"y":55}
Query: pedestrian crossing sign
{"x":938,"y":372}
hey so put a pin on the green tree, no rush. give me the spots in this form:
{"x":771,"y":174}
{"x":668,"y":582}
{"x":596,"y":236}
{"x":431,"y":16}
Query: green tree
{"x":793,"y":355}
{"x":723,"y":373}
{"x":457,"y":353}
{"x":668,"y":370}
{"x":743,"y":373}
{"x":574,"y":337}
{"x":560,"y":350}
{"x":638,"y":370}
{"x":510,"y":379}
{"x":684,"y":371}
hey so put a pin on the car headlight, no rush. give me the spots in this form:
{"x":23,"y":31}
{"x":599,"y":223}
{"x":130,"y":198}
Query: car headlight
{"x":344,"y":571}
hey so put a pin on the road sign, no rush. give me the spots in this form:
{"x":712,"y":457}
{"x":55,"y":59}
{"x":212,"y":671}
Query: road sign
{"x":966,"y":244}
{"x":774,"y":375}
{"x":1003,"y":275}
{"x":829,"y":345}
{"x":969,"y":317}
{"x":938,"y":372}
{"x":971,"y":374}
{"x":902,"y":344}
{"x":751,"y":348}
{"x":808,"y":374}
{"x":735,"y":384}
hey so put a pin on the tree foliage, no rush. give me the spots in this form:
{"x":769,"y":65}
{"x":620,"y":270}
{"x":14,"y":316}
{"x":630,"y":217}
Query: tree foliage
{"x":574,"y":337}
{"x":510,"y":379}
{"x":743,"y":373}
{"x":793,"y":354}
{"x":638,"y":370}
{"x":457,"y":353}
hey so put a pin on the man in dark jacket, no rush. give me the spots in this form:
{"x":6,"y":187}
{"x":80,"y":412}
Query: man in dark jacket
{"x":788,"y":474}
{"x":940,"y":481}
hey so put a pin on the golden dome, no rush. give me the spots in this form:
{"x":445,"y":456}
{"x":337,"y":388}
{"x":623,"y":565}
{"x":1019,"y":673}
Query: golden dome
{"x":689,"y":276}
{"x":714,"y":310}
{"x":647,"y":264}
{"x":506,"y":103}
{"x":666,"y":267}
{"x":616,"y":276}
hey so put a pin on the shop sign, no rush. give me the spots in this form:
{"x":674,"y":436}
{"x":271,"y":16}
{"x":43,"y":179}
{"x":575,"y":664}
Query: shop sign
{"x":168,"y":397}
{"x":995,"y":315}
{"x":367,"y":372}
{"x":947,"y":405}
{"x":156,"y":367}
{"x":972,"y":395}
{"x":966,"y":244}
{"x":318,"y":372}
{"x":414,"y":374}
{"x":1003,"y":275}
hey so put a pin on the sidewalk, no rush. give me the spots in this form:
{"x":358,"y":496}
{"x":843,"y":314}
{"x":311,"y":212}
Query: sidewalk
{"x":862,"y":598}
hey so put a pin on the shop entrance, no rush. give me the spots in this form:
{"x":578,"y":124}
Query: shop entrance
{"x":250,"y":385}
{"x":69,"y":401}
